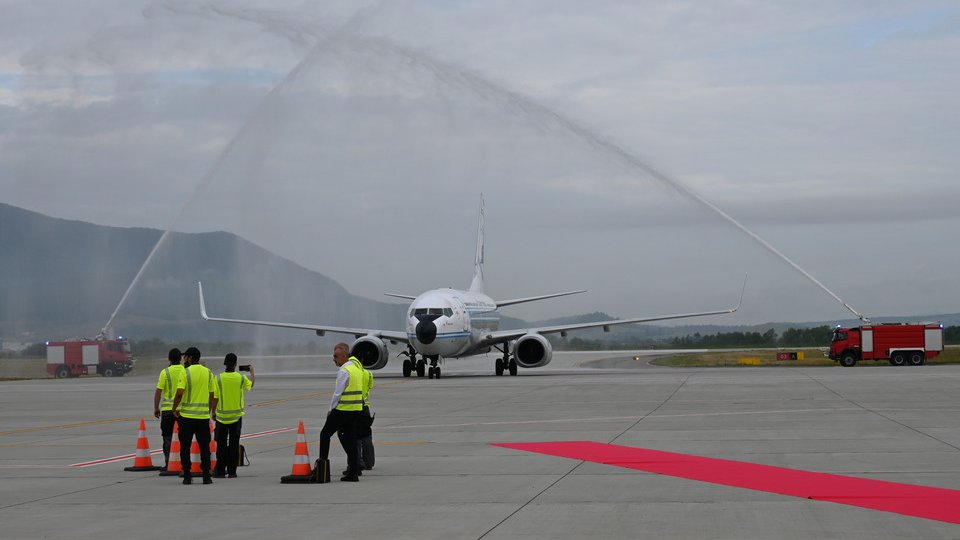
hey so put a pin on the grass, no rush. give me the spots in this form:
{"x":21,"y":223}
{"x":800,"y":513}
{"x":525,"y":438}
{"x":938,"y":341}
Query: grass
{"x":768,"y":357}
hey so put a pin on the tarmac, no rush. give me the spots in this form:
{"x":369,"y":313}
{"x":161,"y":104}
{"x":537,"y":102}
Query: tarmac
{"x":437,"y":475}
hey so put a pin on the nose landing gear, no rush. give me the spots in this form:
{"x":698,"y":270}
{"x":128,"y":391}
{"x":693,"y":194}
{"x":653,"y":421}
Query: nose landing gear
{"x":412,"y":364}
{"x":434,"y":370}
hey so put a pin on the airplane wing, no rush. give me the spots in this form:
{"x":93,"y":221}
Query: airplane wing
{"x":508,"y":335}
{"x":501,"y":303}
{"x":319,"y":329}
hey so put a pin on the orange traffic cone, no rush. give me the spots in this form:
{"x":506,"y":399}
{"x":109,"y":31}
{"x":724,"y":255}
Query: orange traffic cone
{"x":213,"y":449}
{"x":174,"y":467}
{"x":195,"y":457}
{"x":301,"y":461}
{"x":142,"y":461}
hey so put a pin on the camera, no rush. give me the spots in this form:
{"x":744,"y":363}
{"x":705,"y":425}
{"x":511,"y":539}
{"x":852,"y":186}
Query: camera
{"x":245,"y":367}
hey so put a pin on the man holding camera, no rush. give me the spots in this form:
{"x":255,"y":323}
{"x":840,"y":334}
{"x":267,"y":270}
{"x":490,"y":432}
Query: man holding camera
{"x":229,"y":388}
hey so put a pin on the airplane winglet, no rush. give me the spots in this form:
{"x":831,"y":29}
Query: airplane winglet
{"x":742,"y":290}
{"x":203,"y":307}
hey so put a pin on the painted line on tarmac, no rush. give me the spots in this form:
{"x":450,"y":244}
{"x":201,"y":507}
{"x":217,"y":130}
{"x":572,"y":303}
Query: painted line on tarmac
{"x":926,"y":502}
{"x":160,"y":450}
{"x":66,"y":426}
{"x":615,"y":418}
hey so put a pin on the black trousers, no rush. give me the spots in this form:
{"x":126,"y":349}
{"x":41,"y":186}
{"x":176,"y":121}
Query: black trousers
{"x":199,"y":427}
{"x":342,"y":421}
{"x":167,"y":420}
{"x":228,"y":446}
{"x":366,"y":456}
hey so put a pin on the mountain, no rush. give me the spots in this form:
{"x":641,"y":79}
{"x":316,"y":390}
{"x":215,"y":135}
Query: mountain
{"x":61,"y":278}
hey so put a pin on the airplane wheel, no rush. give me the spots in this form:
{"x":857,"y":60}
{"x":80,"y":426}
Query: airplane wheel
{"x":430,"y":372}
{"x":513,"y":367}
{"x":407,"y":368}
{"x":437,"y":371}
{"x":421,"y":368}
{"x":498,"y":369}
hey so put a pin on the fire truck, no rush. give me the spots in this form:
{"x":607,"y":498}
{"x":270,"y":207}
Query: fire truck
{"x":899,"y":343}
{"x":106,"y":357}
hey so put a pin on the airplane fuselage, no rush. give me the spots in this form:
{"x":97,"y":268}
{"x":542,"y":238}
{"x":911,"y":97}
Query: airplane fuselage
{"x":450,"y":323}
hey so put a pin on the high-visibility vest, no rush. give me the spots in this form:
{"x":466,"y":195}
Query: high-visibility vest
{"x":197,"y":383}
{"x":167,"y":384}
{"x":367,"y":380}
{"x":229,"y":393}
{"x":352,"y":397}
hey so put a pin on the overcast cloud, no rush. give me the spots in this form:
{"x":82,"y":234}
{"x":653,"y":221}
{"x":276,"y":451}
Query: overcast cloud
{"x":355,"y":139}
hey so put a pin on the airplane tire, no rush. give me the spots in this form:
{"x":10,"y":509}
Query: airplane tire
{"x":513,"y":367}
{"x":407,"y":368}
{"x":430,"y":372}
{"x":421,"y":368}
{"x":437,"y":372}
{"x":498,"y":368}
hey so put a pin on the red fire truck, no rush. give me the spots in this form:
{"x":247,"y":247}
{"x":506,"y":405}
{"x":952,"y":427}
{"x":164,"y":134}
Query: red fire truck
{"x":899,"y":343}
{"x":107,"y":357}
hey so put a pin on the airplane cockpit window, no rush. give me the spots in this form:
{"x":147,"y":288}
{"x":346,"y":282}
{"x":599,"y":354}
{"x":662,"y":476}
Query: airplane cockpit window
{"x":436,"y":311}
{"x":420,"y":311}
{"x":431,"y":311}
{"x":448,"y":312}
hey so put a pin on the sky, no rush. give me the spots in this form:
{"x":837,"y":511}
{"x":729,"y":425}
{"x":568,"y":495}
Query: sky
{"x":649,"y":152}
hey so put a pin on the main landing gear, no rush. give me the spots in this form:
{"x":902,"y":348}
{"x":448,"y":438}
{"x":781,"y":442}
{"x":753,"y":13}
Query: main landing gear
{"x":413,"y":364}
{"x":505,"y":363}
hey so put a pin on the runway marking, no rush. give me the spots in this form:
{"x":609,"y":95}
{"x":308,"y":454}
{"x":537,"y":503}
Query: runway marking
{"x":907,"y":499}
{"x":160,"y":450}
{"x":64,"y":426}
{"x":611,"y":418}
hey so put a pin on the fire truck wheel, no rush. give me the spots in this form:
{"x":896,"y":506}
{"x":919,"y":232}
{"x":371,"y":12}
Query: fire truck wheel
{"x":109,"y":371}
{"x":62,"y":372}
{"x":915,"y":358}
{"x":898,"y":359}
{"x":848,"y":360}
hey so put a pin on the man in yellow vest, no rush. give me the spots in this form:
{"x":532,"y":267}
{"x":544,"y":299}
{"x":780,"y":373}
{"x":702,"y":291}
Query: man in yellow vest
{"x":163,"y":401}
{"x":192,"y":404}
{"x":365,"y":452}
{"x":344,"y":412}
{"x":229,"y":388}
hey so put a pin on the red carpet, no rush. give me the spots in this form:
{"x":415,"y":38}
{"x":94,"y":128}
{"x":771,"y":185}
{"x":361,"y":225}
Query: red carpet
{"x":920,"y":501}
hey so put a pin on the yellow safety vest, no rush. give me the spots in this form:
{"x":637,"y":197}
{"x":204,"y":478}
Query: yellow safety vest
{"x":197,"y":383}
{"x":367,"y":380}
{"x":167,"y":384}
{"x":352,"y":397}
{"x":229,"y":393}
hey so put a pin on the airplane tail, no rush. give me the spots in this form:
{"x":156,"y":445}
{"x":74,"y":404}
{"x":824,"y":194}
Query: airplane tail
{"x":477,"y":284}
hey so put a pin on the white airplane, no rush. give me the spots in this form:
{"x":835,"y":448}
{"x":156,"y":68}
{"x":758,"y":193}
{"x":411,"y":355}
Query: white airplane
{"x":452,"y":323}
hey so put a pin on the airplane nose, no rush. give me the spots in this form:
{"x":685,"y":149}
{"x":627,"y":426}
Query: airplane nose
{"x":426,"y":329}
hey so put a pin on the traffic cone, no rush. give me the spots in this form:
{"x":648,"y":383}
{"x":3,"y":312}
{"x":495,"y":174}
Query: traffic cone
{"x":174,"y":468}
{"x":301,"y":461}
{"x":142,"y":461}
{"x":213,"y":449}
{"x":195,"y":457}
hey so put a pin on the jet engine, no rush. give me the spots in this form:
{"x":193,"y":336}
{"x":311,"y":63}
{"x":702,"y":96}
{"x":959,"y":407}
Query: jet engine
{"x":371,"y":351}
{"x":532,"y":350}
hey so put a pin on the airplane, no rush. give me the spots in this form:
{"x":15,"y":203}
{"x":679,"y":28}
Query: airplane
{"x":452,"y":323}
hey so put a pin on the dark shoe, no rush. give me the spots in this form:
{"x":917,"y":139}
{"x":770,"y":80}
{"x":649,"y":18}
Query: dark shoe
{"x":207,"y":480}
{"x":163,"y":469}
{"x":187,"y":480}
{"x":232,"y":475}
{"x":349,"y":478}
{"x":347,"y":473}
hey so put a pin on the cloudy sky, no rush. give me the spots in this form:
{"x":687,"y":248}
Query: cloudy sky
{"x":615,"y":143}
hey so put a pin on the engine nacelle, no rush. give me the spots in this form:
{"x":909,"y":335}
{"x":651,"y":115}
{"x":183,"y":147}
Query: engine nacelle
{"x":371,"y":351}
{"x":532,"y":350}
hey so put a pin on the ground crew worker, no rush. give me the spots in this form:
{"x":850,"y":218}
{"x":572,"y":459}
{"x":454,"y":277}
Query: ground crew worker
{"x":192,"y":405}
{"x":229,"y":389}
{"x":366,"y":455}
{"x":344,"y":411}
{"x":163,"y":401}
